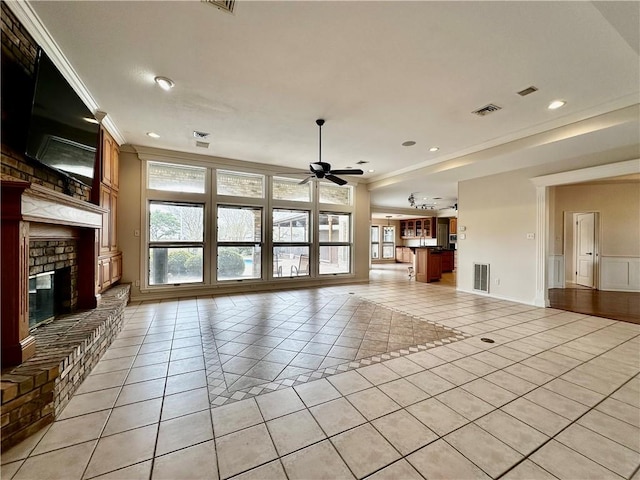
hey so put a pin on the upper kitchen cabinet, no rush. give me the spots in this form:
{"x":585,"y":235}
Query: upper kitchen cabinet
{"x":453,"y":225}
{"x":418,"y":228}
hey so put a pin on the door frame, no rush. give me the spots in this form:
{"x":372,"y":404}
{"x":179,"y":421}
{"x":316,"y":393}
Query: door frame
{"x":544,"y":212}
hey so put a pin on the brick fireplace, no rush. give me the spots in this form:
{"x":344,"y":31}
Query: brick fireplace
{"x":33,"y":215}
{"x":47,"y":231}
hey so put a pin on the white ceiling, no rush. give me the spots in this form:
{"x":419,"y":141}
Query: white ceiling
{"x":380,"y":73}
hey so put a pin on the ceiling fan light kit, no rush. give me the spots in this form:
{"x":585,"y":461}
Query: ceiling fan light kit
{"x":322,"y":169}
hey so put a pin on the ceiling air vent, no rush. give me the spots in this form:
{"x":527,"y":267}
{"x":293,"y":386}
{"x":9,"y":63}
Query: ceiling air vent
{"x":202,"y":144}
{"x":226,"y":5}
{"x":527,"y":91}
{"x":486,"y":110}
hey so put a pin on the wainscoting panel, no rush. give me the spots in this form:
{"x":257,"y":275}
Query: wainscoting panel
{"x":556,"y":271}
{"x":620,"y":274}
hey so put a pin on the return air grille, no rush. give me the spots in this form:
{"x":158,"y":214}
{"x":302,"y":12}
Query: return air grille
{"x":481,"y":277}
{"x":226,"y":5}
{"x":486,"y":110}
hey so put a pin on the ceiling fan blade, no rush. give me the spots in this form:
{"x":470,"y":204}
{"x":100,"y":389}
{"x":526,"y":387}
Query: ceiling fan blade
{"x":335,"y":179}
{"x":306,"y":180}
{"x":348,"y":171}
{"x":323,"y":167}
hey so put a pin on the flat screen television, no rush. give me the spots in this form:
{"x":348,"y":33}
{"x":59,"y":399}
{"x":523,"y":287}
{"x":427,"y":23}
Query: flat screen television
{"x":63,"y":133}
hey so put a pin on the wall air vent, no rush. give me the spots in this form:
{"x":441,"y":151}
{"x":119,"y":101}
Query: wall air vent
{"x":486,"y":110}
{"x":527,"y":91}
{"x":226,"y":5}
{"x":481,"y":277}
{"x":202,"y":144}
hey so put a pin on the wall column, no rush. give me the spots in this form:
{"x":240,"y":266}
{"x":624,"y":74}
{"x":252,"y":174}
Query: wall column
{"x":17,"y":344}
{"x":542,"y":220}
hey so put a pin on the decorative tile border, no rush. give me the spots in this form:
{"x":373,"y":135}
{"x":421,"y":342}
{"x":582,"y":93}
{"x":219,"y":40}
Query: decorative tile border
{"x":219,"y":394}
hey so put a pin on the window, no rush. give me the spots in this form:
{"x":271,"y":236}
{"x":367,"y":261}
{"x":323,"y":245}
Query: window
{"x":287,"y":189}
{"x":375,"y":242}
{"x":335,"y":243}
{"x":176,"y":178}
{"x":334,"y":194}
{"x":388,"y":242}
{"x":291,"y":243}
{"x":239,"y":184}
{"x":239,"y":253}
{"x":176,"y":243}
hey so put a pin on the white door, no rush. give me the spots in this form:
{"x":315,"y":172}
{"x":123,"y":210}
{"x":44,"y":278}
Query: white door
{"x":585,"y":244}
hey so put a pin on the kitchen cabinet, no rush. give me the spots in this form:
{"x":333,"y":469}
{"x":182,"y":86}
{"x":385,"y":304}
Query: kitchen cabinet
{"x":448,"y":264}
{"x":418,"y":228}
{"x":404,"y":255}
{"x":453,"y":225}
{"x":428,"y":265}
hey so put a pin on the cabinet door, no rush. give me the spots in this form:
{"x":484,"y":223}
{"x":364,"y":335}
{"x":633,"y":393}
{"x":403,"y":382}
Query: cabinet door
{"x":113,"y":238}
{"x":106,"y":158}
{"x":105,"y":235}
{"x":116,"y":268}
{"x":105,"y":273}
{"x":115,"y":166}
{"x":453,"y":225}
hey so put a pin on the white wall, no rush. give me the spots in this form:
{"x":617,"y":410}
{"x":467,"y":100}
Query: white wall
{"x":498,"y":212}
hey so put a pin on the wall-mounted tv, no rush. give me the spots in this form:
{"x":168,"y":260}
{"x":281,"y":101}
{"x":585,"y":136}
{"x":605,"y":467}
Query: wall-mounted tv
{"x":63,"y":132}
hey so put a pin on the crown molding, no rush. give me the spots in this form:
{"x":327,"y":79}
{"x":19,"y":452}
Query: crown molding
{"x":588,"y":174}
{"x":30,"y":20}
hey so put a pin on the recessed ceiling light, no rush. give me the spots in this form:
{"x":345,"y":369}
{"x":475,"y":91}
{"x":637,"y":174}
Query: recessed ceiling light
{"x":408,"y":143}
{"x":556,"y":104}
{"x":371,"y":171}
{"x":164,"y":83}
{"x":434,"y":149}
{"x":153,"y":135}
{"x":90,"y":120}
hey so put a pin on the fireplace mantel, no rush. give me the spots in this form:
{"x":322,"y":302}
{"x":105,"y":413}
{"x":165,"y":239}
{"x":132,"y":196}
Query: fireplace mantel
{"x":24,"y":203}
{"x":40,"y":204}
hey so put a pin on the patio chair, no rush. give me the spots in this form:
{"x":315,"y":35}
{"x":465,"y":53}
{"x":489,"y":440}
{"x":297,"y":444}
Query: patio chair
{"x":302,"y":268}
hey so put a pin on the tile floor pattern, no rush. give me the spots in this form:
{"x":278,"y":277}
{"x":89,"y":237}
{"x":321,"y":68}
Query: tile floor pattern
{"x":556,"y":396}
{"x":260,"y":343}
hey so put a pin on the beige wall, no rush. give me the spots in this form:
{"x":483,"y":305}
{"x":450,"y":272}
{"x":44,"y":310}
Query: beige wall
{"x":130,"y":219}
{"x":498,"y":212}
{"x":619,"y":207}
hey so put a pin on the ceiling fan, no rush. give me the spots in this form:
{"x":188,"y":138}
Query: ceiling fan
{"x":322,"y":169}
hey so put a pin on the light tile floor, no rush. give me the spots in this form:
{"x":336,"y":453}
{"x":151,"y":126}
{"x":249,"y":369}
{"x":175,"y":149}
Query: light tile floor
{"x":557,"y":395}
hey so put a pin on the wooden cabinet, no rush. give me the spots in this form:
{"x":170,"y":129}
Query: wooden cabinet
{"x":428,"y":265}
{"x":418,"y":228}
{"x":105,"y":194}
{"x":109,"y":161}
{"x":404,"y":255}
{"x":448,"y":264}
{"x":453,"y":225}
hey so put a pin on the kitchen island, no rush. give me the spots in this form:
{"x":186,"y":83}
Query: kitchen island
{"x":431,"y":262}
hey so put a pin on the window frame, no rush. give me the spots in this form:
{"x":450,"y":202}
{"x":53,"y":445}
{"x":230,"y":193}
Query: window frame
{"x":210,"y":199}
{"x":239,"y":243}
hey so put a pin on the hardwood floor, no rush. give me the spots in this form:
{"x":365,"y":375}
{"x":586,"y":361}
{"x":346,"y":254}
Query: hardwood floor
{"x":623,"y":306}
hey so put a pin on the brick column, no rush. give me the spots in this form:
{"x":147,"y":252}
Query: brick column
{"x":17,"y":344}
